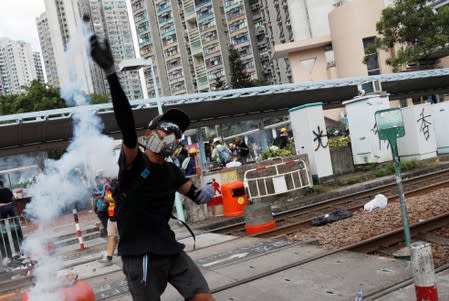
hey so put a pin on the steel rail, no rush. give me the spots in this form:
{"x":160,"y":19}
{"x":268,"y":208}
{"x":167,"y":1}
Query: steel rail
{"x":433,"y":223}
{"x":319,"y":208}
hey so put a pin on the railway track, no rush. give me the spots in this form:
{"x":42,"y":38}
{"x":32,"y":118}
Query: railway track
{"x":374,"y":244}
{"x":289,"y":221}
{"x":297,"y":219}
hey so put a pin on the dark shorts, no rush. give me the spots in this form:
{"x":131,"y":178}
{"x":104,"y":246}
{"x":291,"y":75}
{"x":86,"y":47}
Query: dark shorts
{"x":179,"y":270}
{"x":7,"y":211}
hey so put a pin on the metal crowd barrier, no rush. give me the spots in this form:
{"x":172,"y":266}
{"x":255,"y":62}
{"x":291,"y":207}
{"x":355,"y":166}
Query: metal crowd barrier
{"x":11,"y":236}
{"x":269,"y":180}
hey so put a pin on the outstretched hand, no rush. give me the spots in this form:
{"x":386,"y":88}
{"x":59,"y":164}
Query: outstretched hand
{"x":204,"y":194}
{"x":102,"y":55}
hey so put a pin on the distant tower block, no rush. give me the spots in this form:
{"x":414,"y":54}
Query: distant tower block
{"x":309,"y":132}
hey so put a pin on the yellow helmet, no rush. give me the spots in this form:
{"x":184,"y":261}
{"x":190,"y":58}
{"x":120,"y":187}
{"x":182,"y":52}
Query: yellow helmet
{"x":283,"y":130}
{"x":192,"y":150}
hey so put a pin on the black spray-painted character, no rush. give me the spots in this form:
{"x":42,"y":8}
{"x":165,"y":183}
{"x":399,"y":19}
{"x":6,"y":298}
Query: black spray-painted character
{"x":424,"y":126}
{"x":319,"y":135}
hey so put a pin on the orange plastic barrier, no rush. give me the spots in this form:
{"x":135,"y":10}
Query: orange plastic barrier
{"x":234,"y":198}
{"x":254,"y":229}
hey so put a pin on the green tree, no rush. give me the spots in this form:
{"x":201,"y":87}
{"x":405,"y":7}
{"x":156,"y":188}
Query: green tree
{"x":36,"y":97}
{"x":239,"y":77}
{"x":420,"y":32}
{"x":219,"y":84}
{"x":98,"y":98}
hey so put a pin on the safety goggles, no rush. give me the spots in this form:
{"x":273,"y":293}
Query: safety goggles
{"x":170,"y":128}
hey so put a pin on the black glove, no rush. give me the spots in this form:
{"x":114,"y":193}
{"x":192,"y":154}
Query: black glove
{"x":102,"y":55}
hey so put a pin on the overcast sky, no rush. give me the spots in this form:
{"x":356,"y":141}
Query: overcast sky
{"x":18,"y":20}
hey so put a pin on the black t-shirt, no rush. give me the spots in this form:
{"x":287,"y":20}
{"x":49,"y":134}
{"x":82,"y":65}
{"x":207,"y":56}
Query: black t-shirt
{"x":142,"y":217}
{"x":6,"y":195}
{"x":243,"y":148}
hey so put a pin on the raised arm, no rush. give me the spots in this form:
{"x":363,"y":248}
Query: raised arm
{"x":102,"y":55}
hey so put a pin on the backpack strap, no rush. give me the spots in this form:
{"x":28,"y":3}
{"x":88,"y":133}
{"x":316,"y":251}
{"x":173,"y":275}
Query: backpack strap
{"x":188,"y":229}
{"x":143,"y":176}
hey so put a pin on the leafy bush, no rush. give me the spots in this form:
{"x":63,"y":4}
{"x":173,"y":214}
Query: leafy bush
{"x":409,"y":165}
{"x":383,"y":171}
{"x":276,"y":152}
{"x":405,"y":165}
{"x":339,"y":141}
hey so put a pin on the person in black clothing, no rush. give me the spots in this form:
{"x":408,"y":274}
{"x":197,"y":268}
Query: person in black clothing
{"x":242,"y":149}
{"x":6,"y":202}
{"x":281,"y":141}
{"x":150,"y":254}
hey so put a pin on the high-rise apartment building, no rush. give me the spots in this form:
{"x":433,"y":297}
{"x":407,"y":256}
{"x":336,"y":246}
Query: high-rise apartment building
{"x":188,"y":42}
{"x":272,"y":26}
{"x":48,"y":55}
{"x":16,"y":66}
{"x":160,"y":33}
{"x":64,"y":18}
{"x":38,"y":67}
{"x":109,"y":20}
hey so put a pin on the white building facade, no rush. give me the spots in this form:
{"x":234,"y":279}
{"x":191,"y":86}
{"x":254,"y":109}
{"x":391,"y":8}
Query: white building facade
{"x":48,"y":55}
{"x":17,"y":66}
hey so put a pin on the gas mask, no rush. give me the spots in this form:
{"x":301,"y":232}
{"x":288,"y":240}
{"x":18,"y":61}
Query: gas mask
{"x":167,"y":146}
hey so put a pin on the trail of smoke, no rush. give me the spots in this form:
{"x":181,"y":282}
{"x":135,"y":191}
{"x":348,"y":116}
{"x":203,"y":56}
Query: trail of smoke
{"x":65,"y":181}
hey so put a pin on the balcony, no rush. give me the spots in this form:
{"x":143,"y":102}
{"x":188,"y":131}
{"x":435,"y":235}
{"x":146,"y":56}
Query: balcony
{"x":163,"y":8}
{"x":201,"y":4}
{"x":189,"y":12}
{"x":196,"y":48}
{"x":232,"y":4}
{"x":203,"y":82}
{"x":200,"y":70}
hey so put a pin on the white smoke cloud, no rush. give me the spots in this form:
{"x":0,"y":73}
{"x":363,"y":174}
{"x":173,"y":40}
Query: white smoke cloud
{"x":69,"y":179}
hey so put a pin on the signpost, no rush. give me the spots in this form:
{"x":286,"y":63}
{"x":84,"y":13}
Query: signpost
{"x":390,"y":126}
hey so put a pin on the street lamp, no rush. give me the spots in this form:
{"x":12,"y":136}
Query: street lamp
{"x":134,"y":64}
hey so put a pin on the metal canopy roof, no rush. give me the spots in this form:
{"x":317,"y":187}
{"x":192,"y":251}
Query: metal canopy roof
{"x":45,"y":130}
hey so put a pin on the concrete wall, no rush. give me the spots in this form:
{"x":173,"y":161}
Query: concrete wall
{"x":341,"y":158}
{"x":317,"y":70}
{"x":350,"y":24}
{"x":307,"y":20}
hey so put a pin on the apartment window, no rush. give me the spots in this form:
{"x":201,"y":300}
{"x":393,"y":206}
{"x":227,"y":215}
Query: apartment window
{"x":209,"y":36}
{"x":171,"y":51}
{"x":213,"y":61}
{"x":207,"y":24}
{"x":232,"y":2}
{"x":234,"y":13}
{"x":372,"y":62}
{"x":237,"y":26}
{"x":168,"y":40}
{"x":241,"y":38}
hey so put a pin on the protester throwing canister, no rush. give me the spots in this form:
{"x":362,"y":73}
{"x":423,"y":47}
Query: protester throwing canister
{"x":150,"y":254}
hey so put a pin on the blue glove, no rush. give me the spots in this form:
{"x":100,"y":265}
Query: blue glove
{"x":204,"y":194}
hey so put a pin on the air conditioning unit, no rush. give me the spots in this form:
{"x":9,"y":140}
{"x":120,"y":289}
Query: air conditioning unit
{"x":370,"y":87}
{"x":338,"y":3}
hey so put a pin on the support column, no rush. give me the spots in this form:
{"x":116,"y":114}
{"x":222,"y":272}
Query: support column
{"x":423,"y":271}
